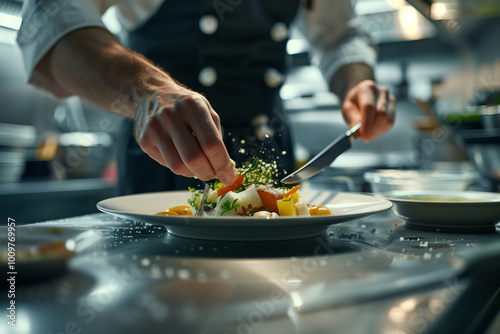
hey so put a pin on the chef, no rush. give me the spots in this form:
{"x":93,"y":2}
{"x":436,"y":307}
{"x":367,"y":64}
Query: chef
{"x":197,"y":81}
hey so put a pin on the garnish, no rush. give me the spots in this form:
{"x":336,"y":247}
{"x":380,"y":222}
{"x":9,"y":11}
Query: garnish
{"x":231,"y":187}
{"x":255,"y":193}
{"x":259,"y":172}
{"x":249,"y":210}
{"x":228,"y":206}
{"x":292,"y":191}
{"x":192,"y":201}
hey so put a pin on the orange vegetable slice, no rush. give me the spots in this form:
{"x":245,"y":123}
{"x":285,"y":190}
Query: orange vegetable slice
{"x":292,"y":191}
{"x":270,"y":200}
{"x":231,"y":187}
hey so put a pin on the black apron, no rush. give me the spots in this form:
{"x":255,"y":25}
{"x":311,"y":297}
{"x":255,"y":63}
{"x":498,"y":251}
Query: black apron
{"x":237,"y":56}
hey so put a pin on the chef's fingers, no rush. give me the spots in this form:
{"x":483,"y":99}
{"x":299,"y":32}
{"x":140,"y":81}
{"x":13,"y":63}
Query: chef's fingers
{"x":391,"y":108}
{"x":171,"y":155}
{"x":373,"y":106}
{"x":366,"y":98}
{"x":150,"y":148}
{"x":158,"y":145}
{"x":210,"y":140}
{"x":384,"y":116}
{"x":185,"y":143}
{"x":386,"y":103}
{"x":215,"y":116}
{"x":148,"y":144}
{"x":382,"y":99}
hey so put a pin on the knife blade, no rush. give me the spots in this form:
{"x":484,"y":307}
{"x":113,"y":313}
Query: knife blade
{"x":324,"y":158}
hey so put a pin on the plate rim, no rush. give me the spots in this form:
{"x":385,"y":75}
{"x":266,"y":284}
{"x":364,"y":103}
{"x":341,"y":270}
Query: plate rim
{"x":243,"y":222}
{"x":389,"y":195}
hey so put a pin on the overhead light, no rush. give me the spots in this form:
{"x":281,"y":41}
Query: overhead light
{"x":444,"y":10}
{"x":10,"y":21}
{"x":409,"y":19}
{"x":438,"y":10}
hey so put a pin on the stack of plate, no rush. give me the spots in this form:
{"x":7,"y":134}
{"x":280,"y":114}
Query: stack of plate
{"x":11,"y":165}
{"x":14,"y":139}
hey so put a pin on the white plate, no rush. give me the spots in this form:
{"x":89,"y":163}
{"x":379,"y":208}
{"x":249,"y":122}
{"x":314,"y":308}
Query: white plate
{"x":344,"y":206}
{"x":474,"y":210}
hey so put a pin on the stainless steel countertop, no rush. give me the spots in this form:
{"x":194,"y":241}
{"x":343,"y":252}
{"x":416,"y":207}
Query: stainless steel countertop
{"x":372,"y":275}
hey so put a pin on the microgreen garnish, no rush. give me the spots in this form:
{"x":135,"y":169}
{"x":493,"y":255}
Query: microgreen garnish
{"x":192,"y":201}
{"x":259,"y":172}
{"x":228,"y":206}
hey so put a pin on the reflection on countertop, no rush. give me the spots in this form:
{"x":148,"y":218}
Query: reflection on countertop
{"x":372,"y":275}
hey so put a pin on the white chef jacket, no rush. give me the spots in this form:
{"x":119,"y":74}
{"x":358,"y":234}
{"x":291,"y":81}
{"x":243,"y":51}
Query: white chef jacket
{"x":331,"y":27}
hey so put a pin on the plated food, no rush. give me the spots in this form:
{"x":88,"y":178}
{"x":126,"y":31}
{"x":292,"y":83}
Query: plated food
{"x":231,"y":212}
{"x":41,"y":252}
{"x":254,"y":193}
{"x":143,"y":207}
{"x":36,"y":255}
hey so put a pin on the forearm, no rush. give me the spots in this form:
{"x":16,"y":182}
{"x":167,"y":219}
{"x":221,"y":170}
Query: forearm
{"x":92,"y":64}
{"x":174,"y":125}
{"x":349,"y":76}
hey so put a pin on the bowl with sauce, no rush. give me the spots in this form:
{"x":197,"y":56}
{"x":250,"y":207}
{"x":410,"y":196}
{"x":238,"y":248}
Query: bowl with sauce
{"x":447,"y":210}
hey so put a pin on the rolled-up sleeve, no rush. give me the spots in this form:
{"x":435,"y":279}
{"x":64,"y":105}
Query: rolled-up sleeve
{"x":47,"y":21}
{"x":336,"y":36}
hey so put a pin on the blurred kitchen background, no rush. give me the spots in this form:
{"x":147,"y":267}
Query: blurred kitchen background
{"x":441,"y":59}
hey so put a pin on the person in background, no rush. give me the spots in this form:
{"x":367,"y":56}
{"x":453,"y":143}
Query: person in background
{"x":197,"y":81}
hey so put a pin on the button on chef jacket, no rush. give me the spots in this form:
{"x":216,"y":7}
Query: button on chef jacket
{"x":232,"y":51}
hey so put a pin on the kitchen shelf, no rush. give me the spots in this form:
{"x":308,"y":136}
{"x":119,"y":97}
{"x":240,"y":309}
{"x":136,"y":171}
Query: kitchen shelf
{"x":32,"y":201}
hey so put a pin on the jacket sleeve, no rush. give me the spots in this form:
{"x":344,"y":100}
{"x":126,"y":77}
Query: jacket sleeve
{"x":336,"y":35}
{"x":46,"y":21}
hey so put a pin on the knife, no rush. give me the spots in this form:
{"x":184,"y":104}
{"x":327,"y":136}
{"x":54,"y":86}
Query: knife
{"x":324,"y":158}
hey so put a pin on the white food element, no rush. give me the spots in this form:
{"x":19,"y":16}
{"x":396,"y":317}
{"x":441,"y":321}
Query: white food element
{"x":244,"y":199}
{"x":302,"y":209}
{"x":247,"y":197}
{"x":211,"y":196}
{"x":265,"y":215}
{"x":195,"y":196}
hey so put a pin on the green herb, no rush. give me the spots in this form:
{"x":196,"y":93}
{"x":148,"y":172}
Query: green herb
{"x":259,"y":172}
{"x":253,"y":167}
{"x":192,"y":201}
{"x":228,"y":206}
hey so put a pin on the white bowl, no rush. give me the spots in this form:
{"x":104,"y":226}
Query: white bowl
{"x":447,"y":210}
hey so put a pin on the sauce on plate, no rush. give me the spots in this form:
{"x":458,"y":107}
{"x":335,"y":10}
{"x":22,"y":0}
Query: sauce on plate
{"x":181,"y":210}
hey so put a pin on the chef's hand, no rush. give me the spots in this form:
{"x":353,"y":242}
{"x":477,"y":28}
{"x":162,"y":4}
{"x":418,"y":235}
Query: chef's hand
{"x":181,"y":131}
{"x":174,"y":125}
{"x":373,"y":106}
